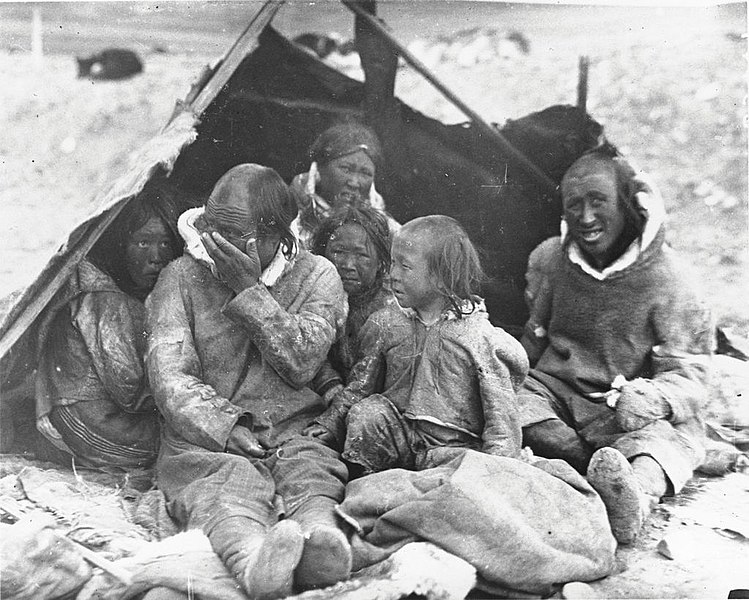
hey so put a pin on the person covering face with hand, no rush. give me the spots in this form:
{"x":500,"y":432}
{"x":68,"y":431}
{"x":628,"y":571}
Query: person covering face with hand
{"x":238,"y":328}
{"x":619,"y":342}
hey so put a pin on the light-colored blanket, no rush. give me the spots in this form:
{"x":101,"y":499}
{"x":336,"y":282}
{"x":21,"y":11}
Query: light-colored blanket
{"x":524,"y":527}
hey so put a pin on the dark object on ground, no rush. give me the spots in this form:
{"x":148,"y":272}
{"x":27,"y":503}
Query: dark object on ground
{"x":521,"y":40}
{"x":112,"y":63}
{"x":731,"y":344}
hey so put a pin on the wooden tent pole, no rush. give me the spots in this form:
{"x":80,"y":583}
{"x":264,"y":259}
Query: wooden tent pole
{"x":212,"y":81}
{"x":483,"y":126}
{"x":582,"y":82}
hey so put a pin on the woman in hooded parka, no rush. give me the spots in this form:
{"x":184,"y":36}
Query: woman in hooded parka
{"x":344,"y":161}
{"x":92,"y":394}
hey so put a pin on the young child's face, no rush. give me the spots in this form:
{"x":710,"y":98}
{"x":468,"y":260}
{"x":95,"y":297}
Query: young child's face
{"x":412,"y":283}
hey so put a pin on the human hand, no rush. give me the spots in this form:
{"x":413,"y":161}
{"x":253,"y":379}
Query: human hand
{"x":243,"y":442}
{"x":320,"y":432}
{"x":639,"y":404}
{"x":239,"y":270}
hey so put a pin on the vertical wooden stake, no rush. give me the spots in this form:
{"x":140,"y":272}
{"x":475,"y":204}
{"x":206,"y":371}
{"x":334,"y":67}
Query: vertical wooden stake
{"x":582,"y":82}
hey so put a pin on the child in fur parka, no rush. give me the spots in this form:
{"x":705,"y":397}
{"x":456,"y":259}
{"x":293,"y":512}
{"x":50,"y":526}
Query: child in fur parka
{"x":434,"y":376}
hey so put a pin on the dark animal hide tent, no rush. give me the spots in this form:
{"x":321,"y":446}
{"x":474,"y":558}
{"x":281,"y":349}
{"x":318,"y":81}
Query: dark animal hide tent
{"x":265,"y":102}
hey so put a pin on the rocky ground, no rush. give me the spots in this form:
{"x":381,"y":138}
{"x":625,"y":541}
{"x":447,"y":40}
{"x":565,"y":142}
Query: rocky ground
{"x":669,"y":86}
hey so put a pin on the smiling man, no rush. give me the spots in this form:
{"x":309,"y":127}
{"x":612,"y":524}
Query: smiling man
{"x":619,"y":341}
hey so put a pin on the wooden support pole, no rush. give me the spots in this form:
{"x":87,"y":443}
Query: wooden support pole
{"x":212,"y":81}
{"x":37,"y":42}
{"x":582,"y":83}
{"x":483,"y":126}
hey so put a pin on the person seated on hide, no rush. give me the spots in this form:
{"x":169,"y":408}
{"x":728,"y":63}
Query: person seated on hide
{"x":357,"y":241}
{"x":434,"y":375}
{"x":92,"y":394}
{"x":236,"y":335}
{"x":345,"y":159}
{"x":619,"y":341}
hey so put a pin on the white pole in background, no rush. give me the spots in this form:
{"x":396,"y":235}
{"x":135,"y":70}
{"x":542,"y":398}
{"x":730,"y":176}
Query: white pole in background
{"x":37,"y":46}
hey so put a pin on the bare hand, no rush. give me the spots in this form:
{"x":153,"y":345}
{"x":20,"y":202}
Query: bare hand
{"x":319,"y":432}
{"x":239,"y":270}
{"x":242,"y":441}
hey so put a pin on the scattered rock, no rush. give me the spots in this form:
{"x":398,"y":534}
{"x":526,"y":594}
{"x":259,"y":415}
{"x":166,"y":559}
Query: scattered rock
{"x":715,"y":196}
{"x":707,"y":92}
{"x":678,"y":545}
{"x":664,"y":548}
{"x":470,"y":47}
{"x":67,"y":146}
{"x":577,"y":590}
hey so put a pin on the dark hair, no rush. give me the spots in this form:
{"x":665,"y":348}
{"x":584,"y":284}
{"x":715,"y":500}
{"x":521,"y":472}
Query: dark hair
{"x":110,"y":251}
{"x":345,"y":138}
{"x":273,"y":202}
{"x":627,"y":185}
{"x":372,"y":221}
{"x":452,"y":259}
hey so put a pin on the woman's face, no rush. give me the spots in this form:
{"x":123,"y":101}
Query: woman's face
{"x":148,"y":251}
{"x":355,"y":258}
{"x":346,"y":178}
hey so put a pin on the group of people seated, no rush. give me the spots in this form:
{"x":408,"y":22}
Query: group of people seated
{"x":305,"y":338}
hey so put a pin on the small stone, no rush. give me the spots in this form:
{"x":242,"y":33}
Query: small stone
{"x":577,"y":590}
{"x":678,"y":545}
{"x":68,"y":145}
{"x":664,"y":548}
{"x":707,"y":92}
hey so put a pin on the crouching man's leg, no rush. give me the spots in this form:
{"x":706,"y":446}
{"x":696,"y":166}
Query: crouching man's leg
{"x":629,"y":489}
{"x":230,"y":498}
{"x":554,"y":439}
{"x":641,"y":468}
{"x":311,"y":478}
{"x":545,"y":431}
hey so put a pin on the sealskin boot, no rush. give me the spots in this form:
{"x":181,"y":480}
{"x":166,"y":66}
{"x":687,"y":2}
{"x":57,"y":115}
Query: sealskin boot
{"x":269,"y":570}
{"x":261,"y":559}
{"x":326,"y":558}
{"x":611,"y":475}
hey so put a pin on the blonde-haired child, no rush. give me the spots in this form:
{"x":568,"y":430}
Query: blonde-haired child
{"x":433,"y":375}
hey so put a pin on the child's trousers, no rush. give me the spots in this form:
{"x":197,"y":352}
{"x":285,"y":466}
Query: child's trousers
{"x":379,"y":437}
